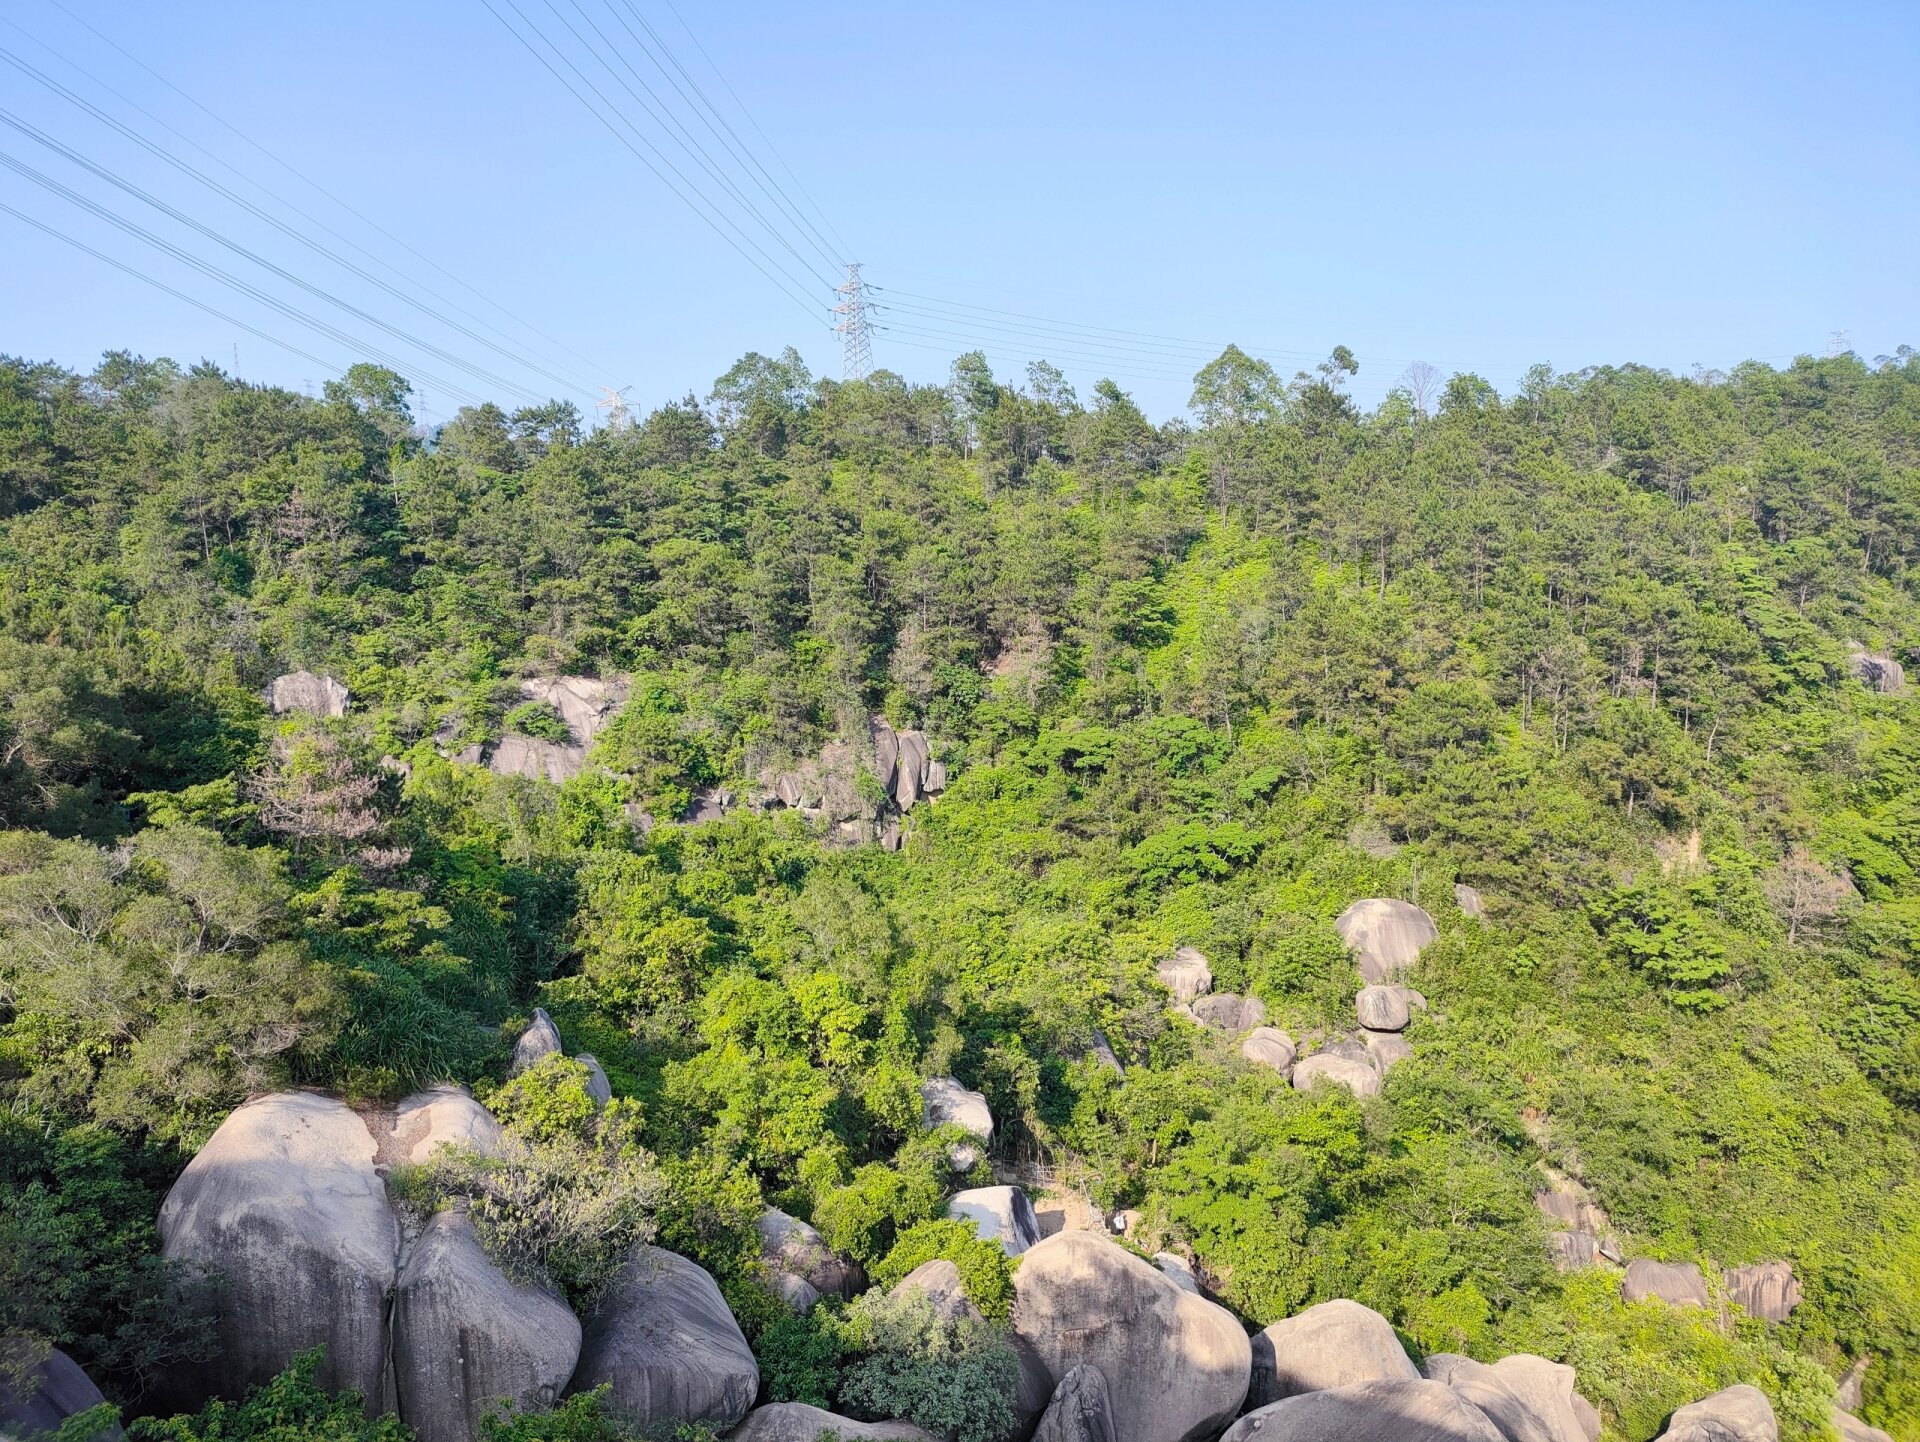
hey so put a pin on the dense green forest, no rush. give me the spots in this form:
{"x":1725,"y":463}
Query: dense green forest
{"x":1603,"y":650}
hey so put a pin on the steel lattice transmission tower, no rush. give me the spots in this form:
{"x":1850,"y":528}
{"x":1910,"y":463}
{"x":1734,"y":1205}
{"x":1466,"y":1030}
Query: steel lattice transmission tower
{"x":856,"y":337}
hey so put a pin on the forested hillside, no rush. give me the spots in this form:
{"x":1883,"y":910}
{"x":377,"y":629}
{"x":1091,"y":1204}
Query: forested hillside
{"x":1620,"y":655}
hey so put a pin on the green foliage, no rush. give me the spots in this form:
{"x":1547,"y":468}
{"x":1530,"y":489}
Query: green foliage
{"x":956,"y":1377}
{"x":1654,"y":933}
{"x":539,"y":720}
{"x":291,"y":1407}
{"x":985,"y":1273}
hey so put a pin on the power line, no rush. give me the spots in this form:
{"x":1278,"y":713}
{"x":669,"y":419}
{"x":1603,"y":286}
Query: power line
{"x":738,"y":147}
{"x":687,"y":141}
{"x":812,"y":311}
{"x":477,"y":372}
{"x":214,"y":272}
{"x":300,"y":176}
{"x":157,"y":284}
{"x":242,"y":202}
{"x":772,"y":149}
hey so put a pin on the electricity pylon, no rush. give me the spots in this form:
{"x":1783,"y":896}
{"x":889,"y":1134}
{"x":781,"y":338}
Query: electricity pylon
{"x":856,"y":338}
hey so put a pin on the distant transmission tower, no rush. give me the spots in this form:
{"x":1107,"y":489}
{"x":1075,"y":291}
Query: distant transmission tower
{"x":614,"y":403}
{"x":1838,"y":344}
{"x":856,"y":339}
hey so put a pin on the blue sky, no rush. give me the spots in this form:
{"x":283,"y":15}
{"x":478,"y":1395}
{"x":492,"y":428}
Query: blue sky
{"x":1480,"y":187}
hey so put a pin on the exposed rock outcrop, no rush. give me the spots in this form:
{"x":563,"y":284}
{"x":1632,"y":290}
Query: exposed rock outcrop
{"x":998,"y":1214}
{"x":1081,"y":1410}
{"x":1229,"y":1012}
{"x":1178,"y":1270}
{"x":1381,"y":1008}
{"x":1478,"y":1384}
{"x":1738,"y":1414}
{"x":584,"y":703}
{"x":55,"y":1388}
{"x":797,"y":1422}
{"x":1334,"y":1344}
{"x":1357,"y":1077}
{"x":1384,"y":1411}
{"x":1547,"y":1389}
{"x":598,"y":1087}
{"x":1268,"y":1046}
{"x":284,"y":1206}
{"x":940,"y":1280}
{"x":1176,"y":1365}
{"x":440,"y":1116}
{"x":1387,"y":1049}
{"x":465,"y":1338}
{"x":1676,"y":1283}
{"x":304,"y":691}
{"x":1877,"y":672}
{"x":541,"y":1039}
{"x":1386,"y":936}
{"x":664,"y":1339}
{"x":944,"y":1102}
{"x":1767,"y":1290}
{"x":1852,"y":1429}
{"x":1185,"y":974}
{"x":799,"y":1263}
{"x":1468,"y":900}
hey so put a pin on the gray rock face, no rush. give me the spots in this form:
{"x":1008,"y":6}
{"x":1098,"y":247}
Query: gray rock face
{"x":1468,"y":900}
{"x":1852,"y":1429}
{"x":1335,"y":1344}
{"x":1573,"y":1250}
{"x":465,"y":1337}
{"x":584,"y":703}
{"x":1226,"y":1011}
{"x":910,"y":772}
{"x":1385,"y":936}
{"x":940,"y":1280}
{"x":1387,"y":1049}
{"x":664,"y":1339}
{"x":1547,"y":1390}
{"x":304,"y":691}
{"x":1677,"y":1283}
{"x":1356,"y":1076}
{"x":797,"y":1422}
{"x":1738,"y":1414}
{"x":944,"y":1102}
{"x":1589,"y":1415}
{"x":1385,"y":1411}
{"x":440,"y":1116}
{"x":1185,"y":974}
{"x":55,"y":1389}
{"x":1268,"y":1046}
{"x":1101,"y":1051}
{"x":515,"y":755}
{"x":1177,"y":1270}
{"x":540,"y":1040}
{"x":1478,"y":1384}
{"x":791,"y":1248}
{"x":284,"y":1204}
{"x":1767,"y":1290}
{"x":1877,"y":672}
{"x":1852,"y":1390}
{"x":598,"y":1087}
{"x":1176,"y":1365}
{"x":998,"y":1214}
{"x":1381,"y":1008}
{"x":1081,"y":1410}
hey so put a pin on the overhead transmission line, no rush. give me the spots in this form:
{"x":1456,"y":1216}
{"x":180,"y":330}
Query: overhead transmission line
{"x":224,"y":277}
{"x":715,"y":218}
{"x":292,"y":232}
{"x":306,"y":180}
{"x":227,"y":243}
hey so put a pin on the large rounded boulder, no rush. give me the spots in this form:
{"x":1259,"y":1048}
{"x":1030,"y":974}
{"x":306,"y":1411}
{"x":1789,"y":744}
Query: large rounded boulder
{"x":799,"y":1262}
{"x":945,"y":1102}
{"x":1679,"y":1284}
{"x":1386,"y":936}
{"x":1334,"y":1344}
{"x":998,"y":1214}
{"x":45,"y":1395}
{"x":1530,"y":1399}
{"x":665,"y":1341}
{"x":1767,"y":1290}
{"x":1358,"y":1077}
{"x":1176,"y":1365}
{"x":284,"y":1210}
{"x":441,"y":1116}
{"x":798,"y":1422}
{"x":1736,"y":1414}
{"x":1081,"y":1410}
{"x":466,"y":1338}
{"x":1385,"y":1411}
{"x":1185,"y":974}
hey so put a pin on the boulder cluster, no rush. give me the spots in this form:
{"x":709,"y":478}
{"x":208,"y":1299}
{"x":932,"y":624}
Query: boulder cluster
{"x":584,"y":703}
{"x":828,"y":789}
{"x":287,"y":1205}
{"x":1386,"y":937}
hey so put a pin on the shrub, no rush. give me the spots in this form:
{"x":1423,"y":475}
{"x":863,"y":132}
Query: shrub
{"x":956,"y":1378}
{"x":985,"y":1270}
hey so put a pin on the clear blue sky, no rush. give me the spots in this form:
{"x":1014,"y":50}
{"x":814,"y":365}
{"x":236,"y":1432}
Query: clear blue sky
{"x":1481,"y":187}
